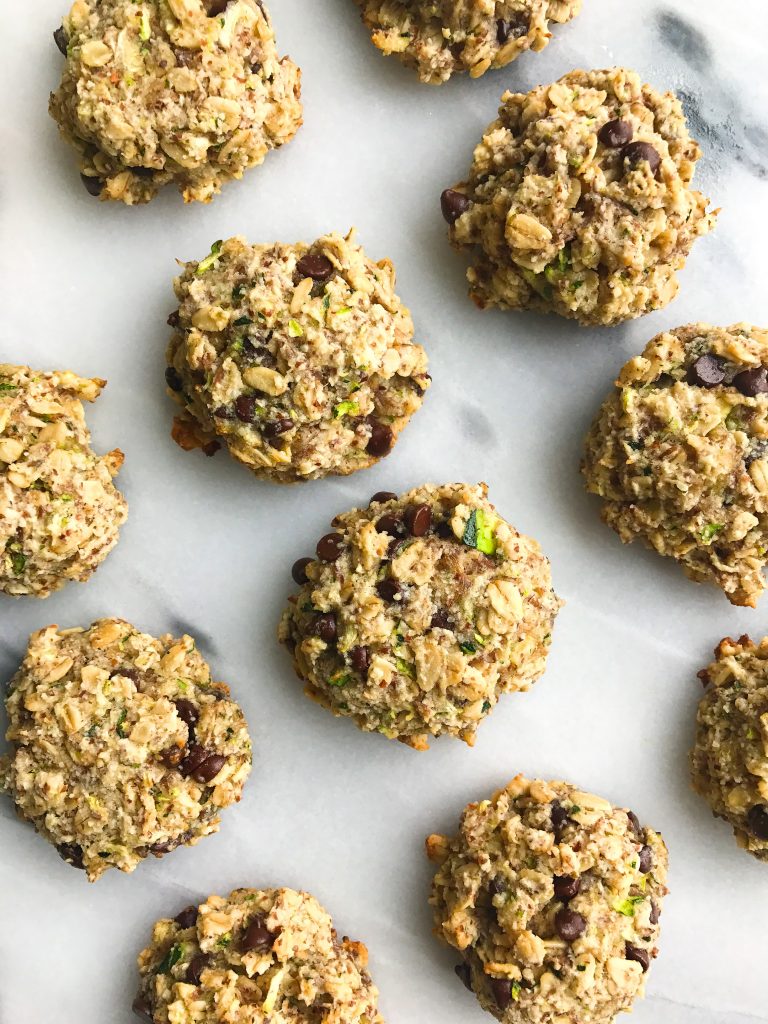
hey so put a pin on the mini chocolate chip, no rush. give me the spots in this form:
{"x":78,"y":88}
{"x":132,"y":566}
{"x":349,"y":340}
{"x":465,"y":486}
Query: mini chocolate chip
{"x":558,"y":815}
{"x":752,"y":382}
{"x":418,"y":519}
{"x":569,"y":924}
{"x":636,"y":153}
{"x":72,"y":854}
{"x":706,"y":372}
{"x":187,"y":712}
{"x":464,"y":975}
{"x":453,"y":204}
{"x":512,"y":28}
{"x":224,"y":412}
{"x":216,"y":7}
{"x":172,"y":757}
{"x":195,"y":756}
{"x":158,"y":849}
{"x":245,"y":408}
{"x":257,"y":937}
{"x":197,"y":965}
{"x":757,"y":820}
{"x":187,"y":917}
{"x":639,"y":955}
{"x":646,"y":860}
{"x":441,"y":620}
{"x":389,"y":589}
{"x":173,"y":379}
{"x":497,"y":886}
{"x":566,"y":887}
{"x":360,"y":659}
{"x":141,"y":1007}
{"x":209,"y":769}
{"x":502,"y":991}
{"x":615,"y":134}
{"x":324,"y":626}
{"x":390,"y":524}
{"x":173,"y":319}
{"x":316,"y":266}
{"x":655,"y":913}
{"x":381,"y":439}
{"x":381,"y":496}
{"x":61,"y":39}
{"x":634,"y":822}
{"x":299,"y":570}
{"x":273,"y":428}
{"x":93,"y":186}
{"x":330,"y":546}
{"x":129,"y":673}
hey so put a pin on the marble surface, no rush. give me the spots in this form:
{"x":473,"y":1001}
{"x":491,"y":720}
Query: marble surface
{"x":207,"y":549}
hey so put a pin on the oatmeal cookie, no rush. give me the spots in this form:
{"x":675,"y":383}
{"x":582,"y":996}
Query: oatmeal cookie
{"x":299,"y":359}
{"x":729,"y":761}
{"x":679,"y":454}
{"x":122,"y":744}
{"x":578,"y":201}
{"x":185,"y":91}
{"x":552,"y":897}
{"x":256,"y":956}
{"x":419,"y":612}
{"x":60,"y":513}
{"x":440,"y":37}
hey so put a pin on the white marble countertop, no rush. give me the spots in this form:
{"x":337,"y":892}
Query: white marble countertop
{"x":207,"y":549}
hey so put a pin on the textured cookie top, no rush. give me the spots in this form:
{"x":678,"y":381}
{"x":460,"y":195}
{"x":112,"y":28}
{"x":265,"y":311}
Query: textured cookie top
{"x":419,"y":612}
{"x":256,"y":956}
{"x":60,"y":513}
{"x":440,"y":37}
{"x":729,"y":761}
{"x":185,"y":91}
{"x":298,"y":358}
{"x":578,"y":200}
{"x":679,"y":454}
{"x":122,"y":744}
{"x":552,"y":896}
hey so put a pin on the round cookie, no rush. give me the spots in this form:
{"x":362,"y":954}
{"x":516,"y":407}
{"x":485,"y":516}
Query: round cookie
{"x":552,"y":897}
{"x":729,"y":761}
{"x":191,"y":92}
{"x":298,"y":359}
{"x":578,"y":201}
{"x":441,"y":37}
{"x":678,"y":453}
{"x":256,"y":955}
{"x":419,"y":612}
{"x":60,"y":513}
{"x":122,"y":744}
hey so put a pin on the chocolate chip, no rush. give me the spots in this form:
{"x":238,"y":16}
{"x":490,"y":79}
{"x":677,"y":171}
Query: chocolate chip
{"x":637,"y":153}
{"x":390,"y":524}
{"x":210,"y":448}
{"x":569,"y":924}
{"x":381,"y":439}
{"x":209,"y":769}
{"x":566,"y":888}
{"x":752,"y":382}
{"x":196,"y":755}
{"x":273,"y":428}
{"x":497,"y":886}
{"x":646,"y":860}
{"x":502,"y":992}
{"x":187,"y":917}
{"x":324,"y":626}
{"x":512,"y":28}
{"x":441,"y":620}
{"x":445,"y":530}
{"x":655,"y":914}
{"x":72,"y":854}
{"x":330,"y":546}
{"x":158,"y":849}
{"x":453,"y":204}
{"x":141,"y":1007}
{"x":256,"y":937}
{"x":639,"y":955}
{"x":757,"y":820}
{"x":464,"y":975}
{"x":224,"y":412}
{"x":216,"y":7}
{"x":706,"y":372}
{"x":615,"y":134}
{"x":173,"y":319}
{"x":559,"y":816}
{"x":172,"y":757}
{"x":316,"y":266}
{"x":299,"y":570}
{"x":188,"y":713}
{"x":418,"y":519}
{"x":389,"y":589}
{"x":93,"y":186}
{"x":245,"y":408}
{"x":360,"y":660}
{"x":173,"y":379}
{"x":61,"y":39}
{"x":634,"y":823}
{"x":381,"y":496}
{"x":197,"y":965}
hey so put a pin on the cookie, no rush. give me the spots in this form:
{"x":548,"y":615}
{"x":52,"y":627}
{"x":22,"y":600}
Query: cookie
{"x":60,"y":513}
{"x":578,"y":201}
{"x":255,"y":955}
{"x":189,"y":92}
{"x":419,"y":612}
{"x":729,"y":761}
{"x":298,"y":359}
{"x":552,"y":897}
{"x":122,"y":744}
{"x":439,"y":38}
{"x":678,"y":454}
